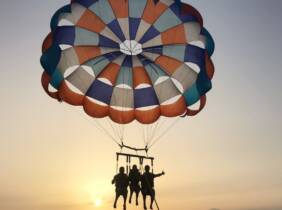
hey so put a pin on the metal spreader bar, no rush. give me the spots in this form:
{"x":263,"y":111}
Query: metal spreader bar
{"x":134,"y":156}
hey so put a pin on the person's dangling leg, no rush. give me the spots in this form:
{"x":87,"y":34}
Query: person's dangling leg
{"x":131,"y":193}
{"x":152,"y":198}
{"x":137,"y":196}
{"x":116,"y":199}
{"x":144,"y":201}
{"x":152,"y":201}
{"x":124,"y":200}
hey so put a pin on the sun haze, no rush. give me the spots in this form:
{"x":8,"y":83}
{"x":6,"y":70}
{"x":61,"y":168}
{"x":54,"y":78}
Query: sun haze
{"x":98,"y":202}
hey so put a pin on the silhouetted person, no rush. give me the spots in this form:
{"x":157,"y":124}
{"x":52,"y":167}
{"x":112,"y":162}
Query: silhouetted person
{"x":147,"y":185}
{"x":121,"y":181}
{"x":134,"y":179}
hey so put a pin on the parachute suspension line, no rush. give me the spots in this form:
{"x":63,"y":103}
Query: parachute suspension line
{"x":143,"y":136}
{"x":156,"y":126}
{"x":127,"y":165}
{"x":113,"y":128}
{"x":161,"y":123}
{"x":98,"y":126}
{"x":165,"y":132}
{"x":116,"y":130}
{"x":122,"y":132}
{"x":141,"y":160}
{"x":117,"y":164}
{"x":106,"y":132}
{"x":149,"y":131}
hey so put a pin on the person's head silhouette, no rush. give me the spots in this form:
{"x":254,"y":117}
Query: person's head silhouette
{"x":147,"y":169}
{"x":121,"y":170}
{"x":134,"y":168}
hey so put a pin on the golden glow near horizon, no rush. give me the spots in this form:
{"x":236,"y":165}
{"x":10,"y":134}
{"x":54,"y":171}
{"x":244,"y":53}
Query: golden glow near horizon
{"x":98,"y":202}
{"x":97,"y":191}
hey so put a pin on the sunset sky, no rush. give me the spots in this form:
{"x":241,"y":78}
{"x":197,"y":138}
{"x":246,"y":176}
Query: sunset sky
{"x":229,"y":157}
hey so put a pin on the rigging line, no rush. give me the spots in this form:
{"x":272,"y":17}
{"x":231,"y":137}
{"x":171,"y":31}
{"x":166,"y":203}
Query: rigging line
{"x":119,"y":127}
{"x":117,"y":130}
{"x":101,"y":128}
{"x":155,"y":126}
{"x":108,"y":133}
{"x":158,"y":130}
{"x":161,"y":124}
{"x":123,"y":131}
{"x":141,"y":131}
{"x":113,"y":128}
{"x":165,"y":132}
{"x":166,"y":129}
{"x":146,"y":133}
{"x":114,"y":133}
{"x":116,"y":126}
{"x":144,"y":138}
{"x":152,"y":131}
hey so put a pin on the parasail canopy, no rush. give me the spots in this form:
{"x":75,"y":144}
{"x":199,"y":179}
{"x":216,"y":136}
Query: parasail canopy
{"x":129,"y":59}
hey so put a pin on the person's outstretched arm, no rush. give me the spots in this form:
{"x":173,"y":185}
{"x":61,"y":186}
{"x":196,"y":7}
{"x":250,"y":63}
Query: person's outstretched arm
{"x":158,"y":175}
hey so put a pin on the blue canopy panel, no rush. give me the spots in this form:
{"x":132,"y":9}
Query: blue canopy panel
{"x":85,"y":3}
{"x":145,"y":97}
{"x":115,"y":27}
{"x":133,"y":27}
{"x":100,"y":91}
{"x":75,"y":36}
